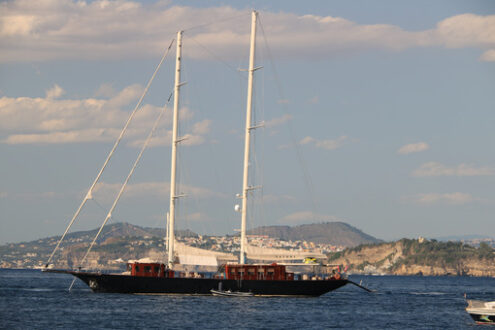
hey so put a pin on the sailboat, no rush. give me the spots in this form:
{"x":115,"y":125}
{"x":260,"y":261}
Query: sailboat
{"x":242,"y":277}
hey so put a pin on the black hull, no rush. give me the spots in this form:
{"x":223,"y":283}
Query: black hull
{"x":114,"y":283}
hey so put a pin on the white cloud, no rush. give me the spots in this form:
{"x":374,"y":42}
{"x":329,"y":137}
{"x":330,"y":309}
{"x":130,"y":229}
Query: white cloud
{"x":55,"y":92}
{"x":307,"y":217}
{"x":202,"y":127}
{"x":52,"y":120}
{"x":306,"y":140}
{"x":325,"y":144}
{"x":437,"y":169}
{"x":456,"y":198}
{"x":107,"y":191}
{"x":466,"y":30}
{"x":488,"y":56}
{"x":64,"y":29}
{"x":106,"y":90}
{"x":413,"y":147}
{"x":48,"y":114}
{"x":76,"y":136}
{"x":278,"y":121}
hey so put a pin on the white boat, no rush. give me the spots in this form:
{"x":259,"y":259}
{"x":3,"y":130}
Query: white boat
{"x":482,"y":312}
{"x":229,"y":293}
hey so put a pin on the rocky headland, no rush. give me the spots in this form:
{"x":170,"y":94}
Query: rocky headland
{"x":418,"y":257}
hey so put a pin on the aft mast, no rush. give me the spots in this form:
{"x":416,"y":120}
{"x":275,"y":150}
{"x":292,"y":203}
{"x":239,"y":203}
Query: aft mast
{"x":247,"y":140}
{"x":175,"y":141}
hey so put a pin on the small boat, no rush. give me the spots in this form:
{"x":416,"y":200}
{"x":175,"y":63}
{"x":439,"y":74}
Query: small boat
{"x":482,"y":312}
{"x":229,"y":293}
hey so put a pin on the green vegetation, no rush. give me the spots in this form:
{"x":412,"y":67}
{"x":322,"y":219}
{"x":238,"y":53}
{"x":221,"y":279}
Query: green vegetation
{"x":356,"y":249}
{"x":362,"y":265}
{"x":430,"y":253}
{"x":336,"y":255}
{"x":442,"y":254}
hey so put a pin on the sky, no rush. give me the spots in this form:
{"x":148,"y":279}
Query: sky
{"x":376,"y":113}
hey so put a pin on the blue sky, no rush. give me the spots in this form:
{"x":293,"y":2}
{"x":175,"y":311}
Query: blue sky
{"x":378,"y":114}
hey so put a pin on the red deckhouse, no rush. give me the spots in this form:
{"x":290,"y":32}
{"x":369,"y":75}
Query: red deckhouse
{"x":257,"y":272}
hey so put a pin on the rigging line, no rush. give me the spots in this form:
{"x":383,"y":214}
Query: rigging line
{"x":261,"y":170}
{"x":216,"y":57}
{"x":307,"y":177}
{"x":182,"y":204}
{"x":194,"y":27}
{"x":109,"y":215}
{"x":103,"y":209}
{"x":88,"y":195}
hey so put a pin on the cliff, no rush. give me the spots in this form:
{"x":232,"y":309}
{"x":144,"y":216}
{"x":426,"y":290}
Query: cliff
{"x":418,"y":257}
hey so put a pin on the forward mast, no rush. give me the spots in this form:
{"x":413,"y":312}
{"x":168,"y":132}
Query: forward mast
{"x":247,"y":139}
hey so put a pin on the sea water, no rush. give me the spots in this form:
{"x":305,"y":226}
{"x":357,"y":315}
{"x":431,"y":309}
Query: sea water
{"x":31,"y":299}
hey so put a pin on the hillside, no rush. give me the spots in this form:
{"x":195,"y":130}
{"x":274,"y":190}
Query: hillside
{"x":336,"y":233}
{"x":419,"y":256}
{"x":120,"y":230}
{"x":115,"y":241}
{"x":125,"y":241}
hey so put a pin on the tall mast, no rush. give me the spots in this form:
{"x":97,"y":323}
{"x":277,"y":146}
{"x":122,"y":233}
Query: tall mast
{"x":247,"y":140}
{"x":175,"y":141}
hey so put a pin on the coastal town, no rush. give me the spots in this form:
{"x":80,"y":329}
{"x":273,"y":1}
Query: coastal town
{"x":35,"y":253}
